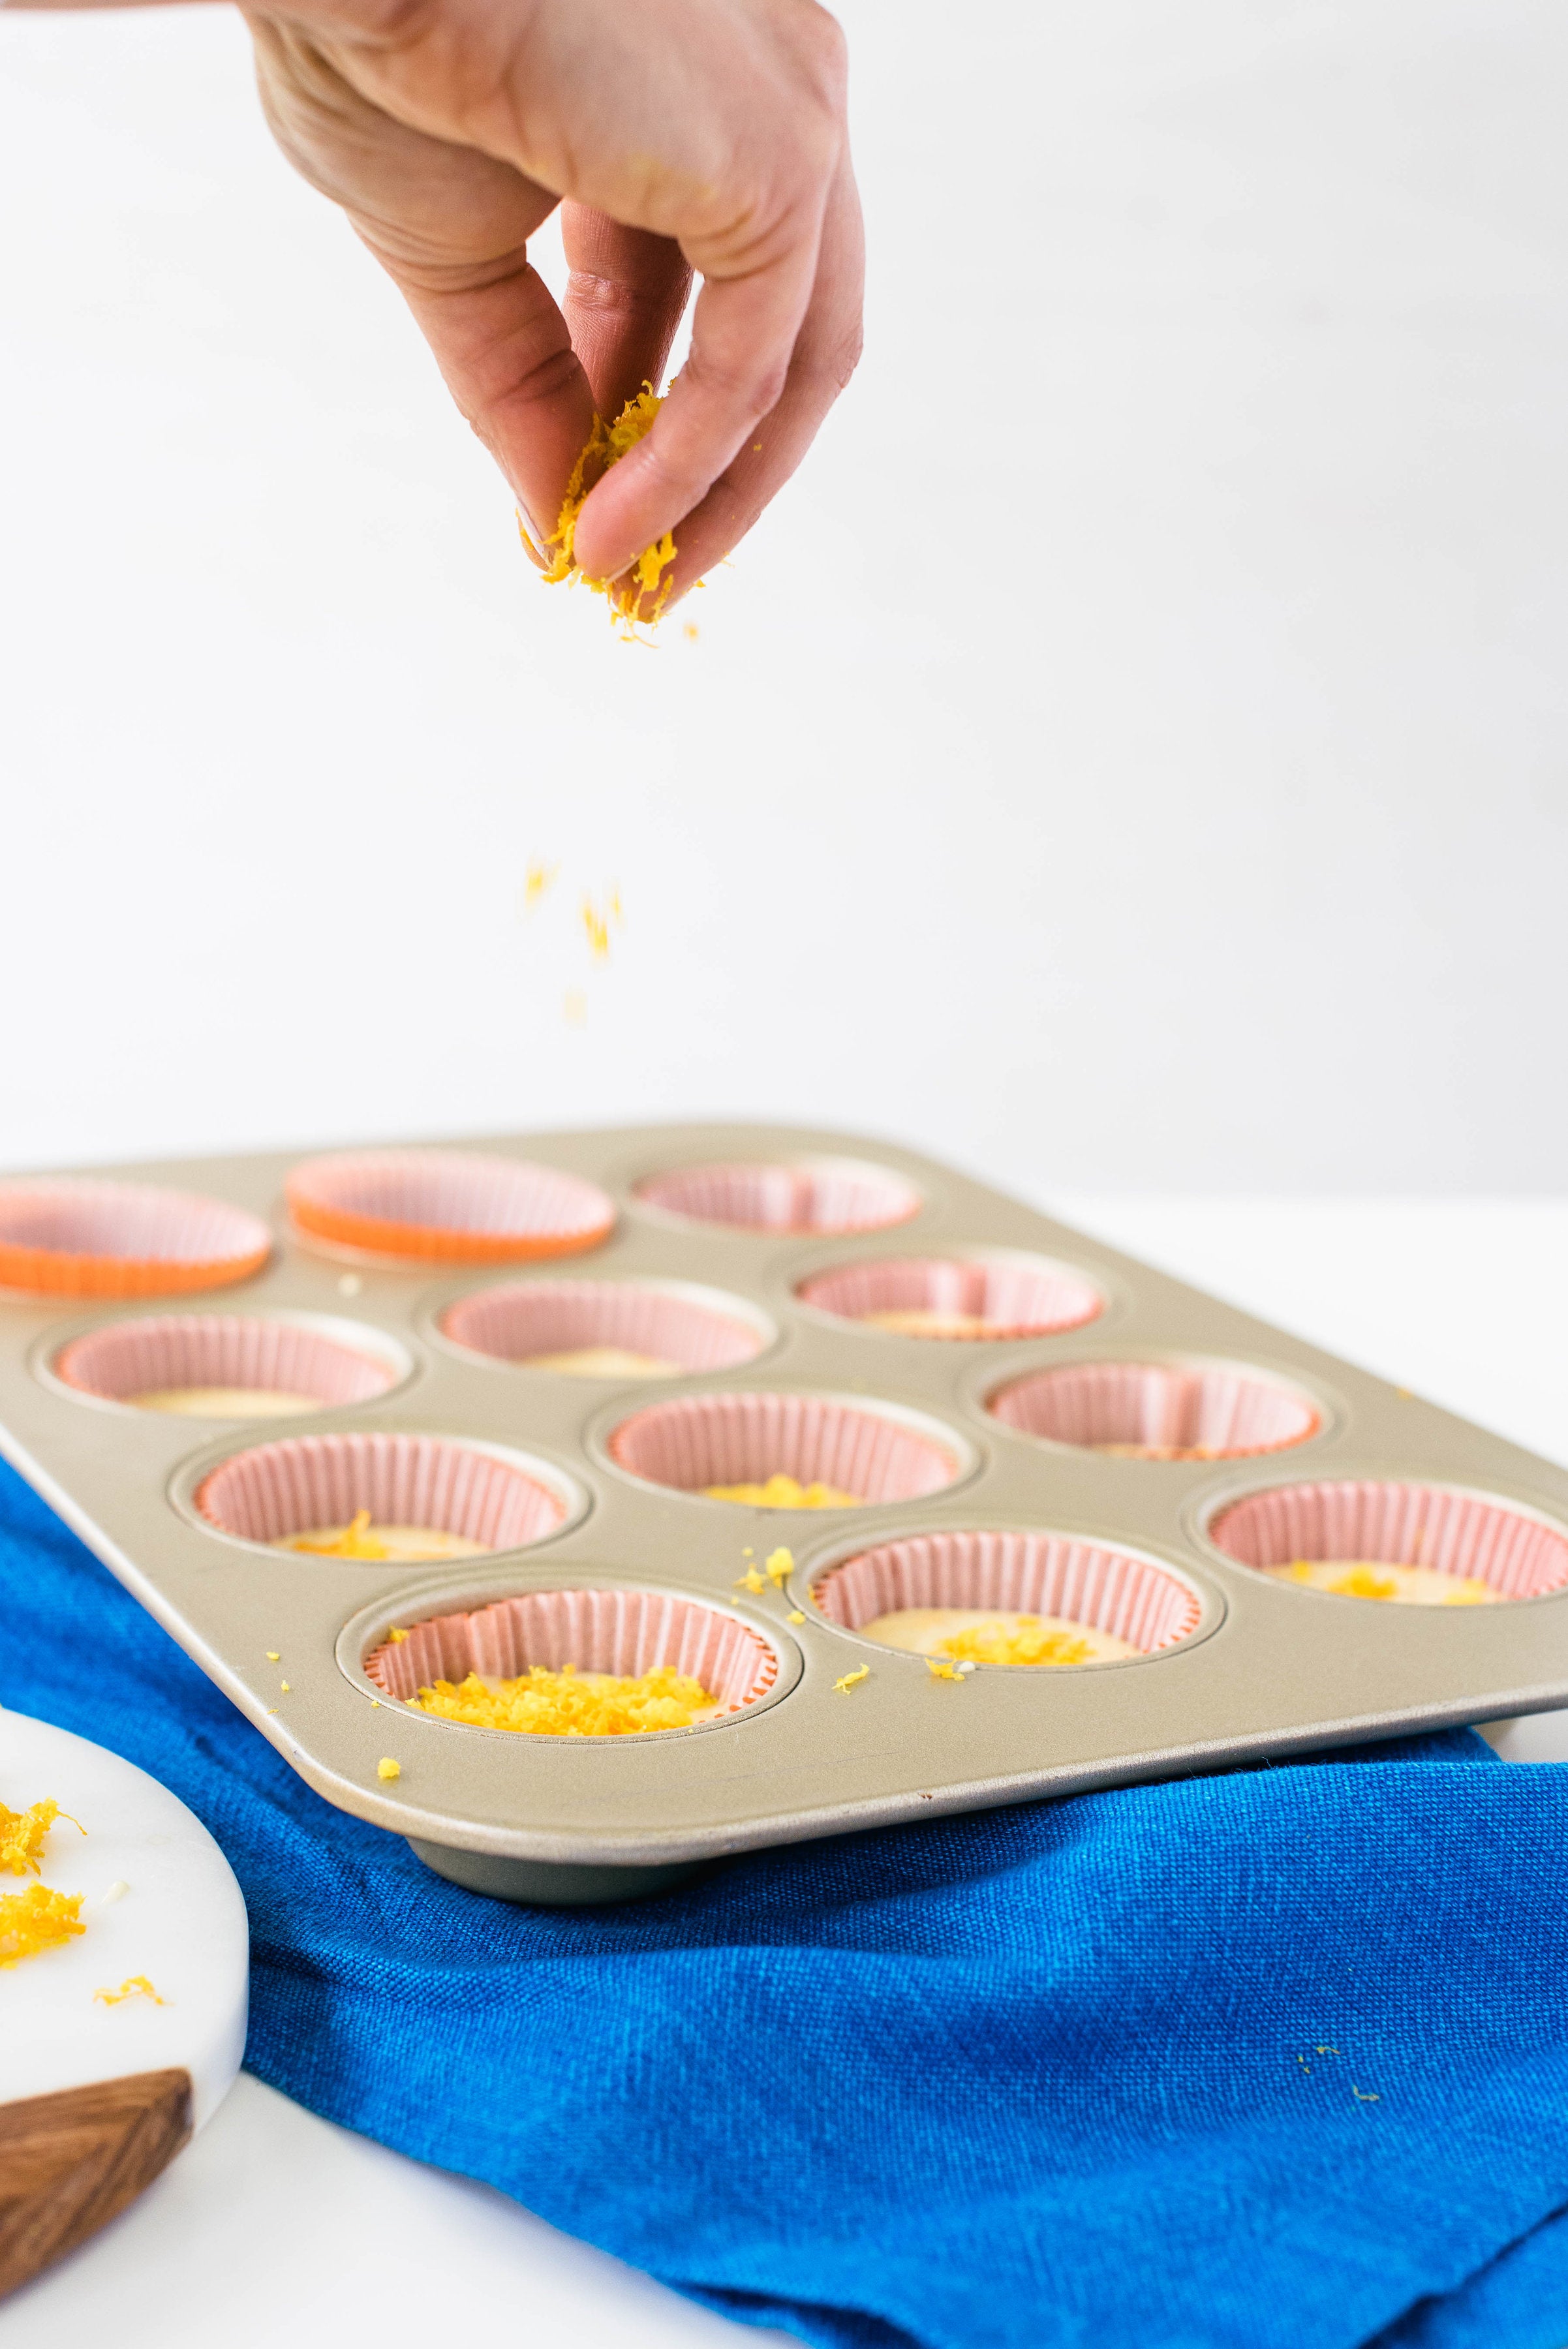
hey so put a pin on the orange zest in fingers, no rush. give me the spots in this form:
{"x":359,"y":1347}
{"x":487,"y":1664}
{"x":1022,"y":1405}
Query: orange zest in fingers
{"x":605,"y":445}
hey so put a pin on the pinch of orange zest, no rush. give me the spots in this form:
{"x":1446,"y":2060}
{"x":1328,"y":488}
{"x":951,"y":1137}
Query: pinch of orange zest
{"x":998,"y":1643}
{"x":35,"y":1921}
{"x":604,"y":446}
{"x":22,"y":1835}
{"x":1364,"y":1582}
{"x":569,"y":1703}
{"x":354,"y":1541}
{"x":133,"y":1986}
{"x":781,"y":1492}
{"x":847,"y":1680}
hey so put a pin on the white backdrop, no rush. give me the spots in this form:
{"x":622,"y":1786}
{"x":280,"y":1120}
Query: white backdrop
{"x":1130,"y":758}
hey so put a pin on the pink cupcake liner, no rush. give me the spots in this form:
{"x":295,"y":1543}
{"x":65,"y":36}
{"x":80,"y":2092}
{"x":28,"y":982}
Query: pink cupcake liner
{"x":215,"y":1349}
{"x":1013,"y":1298}
{"x":555,"y":1317}
{"x":1015,"y":1574}
{"x":821,"y":1195}
{"x":696,"y":1441}
{"x":1228,"y":1412}
{"x":82,"y":1237}
{"x":620,"y":1631}
{"x":1463,"y":1534}
{"x":460,"y":1206}
{"x":273,"y":1490}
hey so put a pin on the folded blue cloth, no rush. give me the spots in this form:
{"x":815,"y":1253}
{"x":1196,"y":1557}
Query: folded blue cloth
{"x":1271,"y":2060}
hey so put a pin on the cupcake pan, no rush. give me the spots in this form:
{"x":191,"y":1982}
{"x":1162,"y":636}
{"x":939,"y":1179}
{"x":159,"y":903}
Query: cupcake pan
{"x":745,"y":1257}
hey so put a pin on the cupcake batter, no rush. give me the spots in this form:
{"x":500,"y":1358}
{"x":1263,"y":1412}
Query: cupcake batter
{"x":1408,"y":1586}
{"x":602,"y":1363}
{"x":224,"y":1402}
{"x":923,"y":1322}
{"x":361,"y":1539}
{"x":1160,"y":1451}
{"x":981,"y":1636}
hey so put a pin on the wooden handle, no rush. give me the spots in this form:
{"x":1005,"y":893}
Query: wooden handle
{"x":70,"y":2162}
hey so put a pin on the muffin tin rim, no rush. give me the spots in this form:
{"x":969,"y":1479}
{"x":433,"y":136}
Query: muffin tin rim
{"x":183,"y":1481}
{"x":392,"y":1351}
{"x":818,"y":1559}
{"x":1202,"y":1509}
{"x":462,"y":1594}
{"x":971,"y":1454}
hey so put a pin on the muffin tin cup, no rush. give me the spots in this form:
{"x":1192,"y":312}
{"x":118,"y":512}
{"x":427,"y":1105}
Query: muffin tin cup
{"x":878,"y":1451}
{"x":329,"y":1363}
{"x":1468,"y":1535}
{"x":78,"y":1237}
{"x":1014,"y":1572}
{"x":445,"y":1206}
{"x":625,"y":1630}
{"x":819,"y":1196}
{"x":268,"y":1492}
{"x":1195,"y":1410}
{"x":692,"y":1328}
{"x":1012,"y":1294}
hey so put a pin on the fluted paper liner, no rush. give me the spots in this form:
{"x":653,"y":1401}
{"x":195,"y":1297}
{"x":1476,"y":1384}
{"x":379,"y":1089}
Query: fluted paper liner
{"x":1229,"y":1413}
{"x":555,"y":1317}
{"x":1015,"y":1574}
{"x":1463,"y":1534}
{"x":217,"y":1349}
{"x":272,"y":1490}
{"x":459,"y":1206}
{"x":80,"y":1237}
{"x":1013,"y":1298}
{"x":620,"y":1631}
{"x":810,"y":1195}
{"x":696,"y":1441}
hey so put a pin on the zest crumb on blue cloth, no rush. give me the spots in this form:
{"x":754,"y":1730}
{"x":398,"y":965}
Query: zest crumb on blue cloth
{"x":1271,"y":2060}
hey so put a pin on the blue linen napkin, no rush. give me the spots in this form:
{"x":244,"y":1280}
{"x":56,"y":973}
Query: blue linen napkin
{"x":1276,"y":2059}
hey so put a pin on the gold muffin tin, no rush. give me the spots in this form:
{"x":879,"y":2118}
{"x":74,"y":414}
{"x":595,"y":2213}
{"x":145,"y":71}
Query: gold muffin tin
{"x":1262,"y":1669}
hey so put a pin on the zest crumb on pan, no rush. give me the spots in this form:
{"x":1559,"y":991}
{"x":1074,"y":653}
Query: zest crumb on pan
{"x":1361,"y":1577}
{"x":795,"y":1616}
{"x":35,"y":1921}
{"x":605,"y":446}
{"x":847,"y":1680}
{"x":272,"y":1655}
{"x":388,"y":1769}
{"x":785,"y":1492}
{"x":778,"y":1566}
{"x":133,"y":1986}
{"x":940,"y":1671}
{"x":22,"y":1835}
{"x":569,"y":1703}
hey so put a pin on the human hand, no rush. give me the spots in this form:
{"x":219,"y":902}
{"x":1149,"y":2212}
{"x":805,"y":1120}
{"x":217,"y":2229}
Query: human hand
{"x":683,"y":135}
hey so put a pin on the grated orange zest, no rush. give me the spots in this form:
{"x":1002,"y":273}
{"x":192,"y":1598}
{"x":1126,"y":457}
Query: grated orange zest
{"x":354,"y":1541}
{"x":604,"y":446}
{"x":569,"y":1703}
{"x":22,"y":1835}
{"x":133,"y":1986}
{"x":996,"y":1643}
{"x":35,"y":1921}
{"x":785,"y":1492}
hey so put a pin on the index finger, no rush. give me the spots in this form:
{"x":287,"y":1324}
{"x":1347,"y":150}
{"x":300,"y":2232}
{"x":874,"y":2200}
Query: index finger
{"x":744,"y":331}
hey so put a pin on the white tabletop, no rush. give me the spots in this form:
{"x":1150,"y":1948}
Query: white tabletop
{"x":243,"y":2240}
